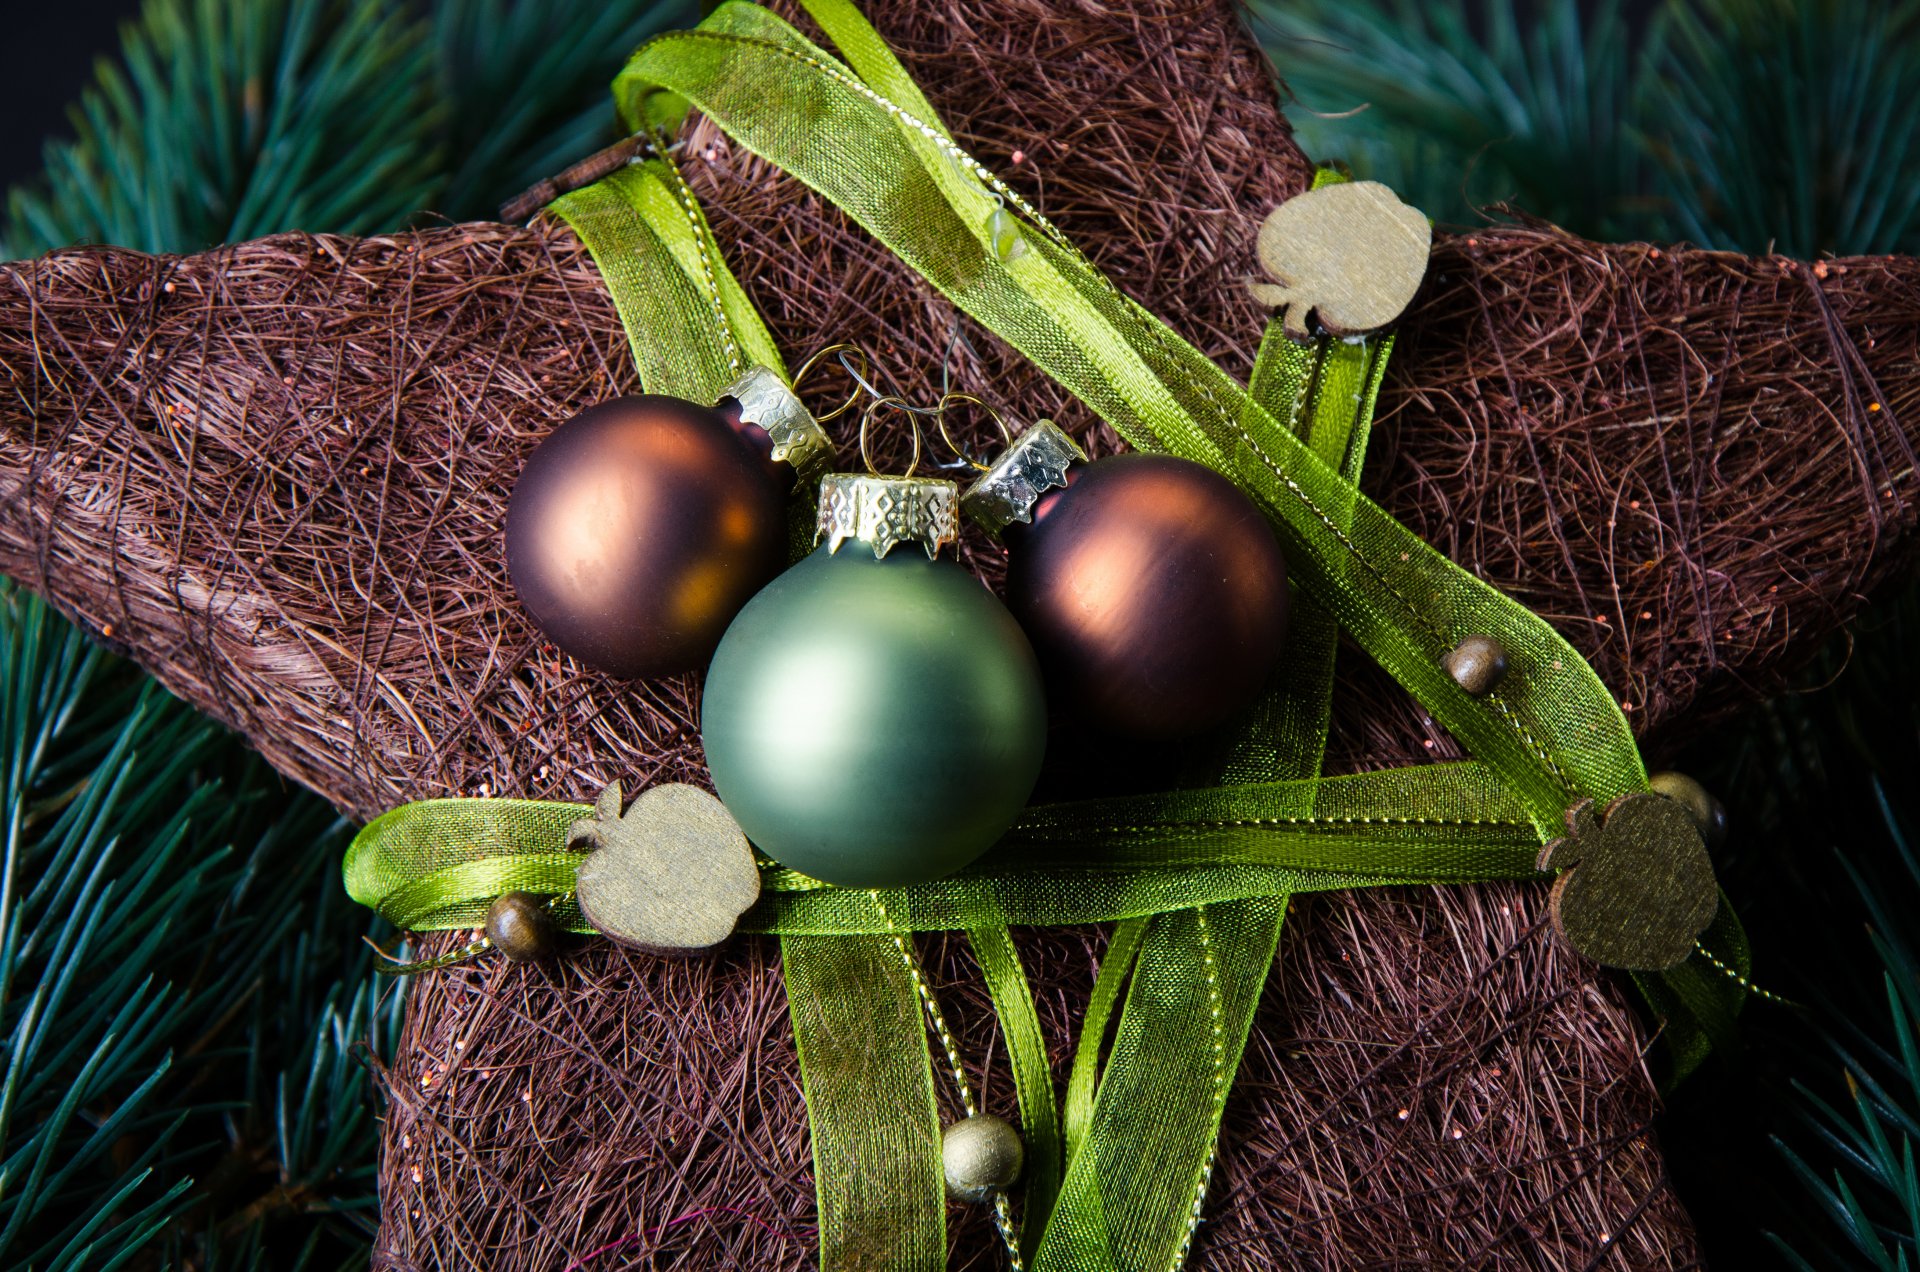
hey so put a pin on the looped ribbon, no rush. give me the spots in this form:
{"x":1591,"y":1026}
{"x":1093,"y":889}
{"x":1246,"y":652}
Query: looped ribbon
{"x":1195,"y":878}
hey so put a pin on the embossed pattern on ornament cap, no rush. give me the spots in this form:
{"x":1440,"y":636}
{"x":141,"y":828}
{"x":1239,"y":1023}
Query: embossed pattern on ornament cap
{"x":884,"y":512}
{"x":1036,"y":463}
{"x":768,"y":403}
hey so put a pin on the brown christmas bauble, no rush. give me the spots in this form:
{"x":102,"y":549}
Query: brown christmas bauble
{"x":639,"y":528}
{"x":1153,"y":591}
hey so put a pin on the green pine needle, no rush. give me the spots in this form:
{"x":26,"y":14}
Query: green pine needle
{"x":130,"y":930}
{"x":542,"y":70}
{"x":1458,"y":112}
{"x":1790,"y":124}
{"x":1737,"y":124}
{"x":182,"y":982}
{"x":229,"y":119}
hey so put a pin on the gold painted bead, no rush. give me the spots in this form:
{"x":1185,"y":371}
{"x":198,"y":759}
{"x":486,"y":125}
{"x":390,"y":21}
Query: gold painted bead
{"x":981,"y":1155}
{"x":1708,"y":813}
{"x":1477,"y":664}
{"x":521,"y":926}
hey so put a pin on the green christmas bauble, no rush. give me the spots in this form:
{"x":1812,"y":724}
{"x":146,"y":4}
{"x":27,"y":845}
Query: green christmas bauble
{"x":874,"y":717}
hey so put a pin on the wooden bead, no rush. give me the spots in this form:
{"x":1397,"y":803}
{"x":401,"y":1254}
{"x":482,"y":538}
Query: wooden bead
{"x":521,"y":926}
{"x":1708,"y":813}
{"x":1477,"y":664}
{"x":981,"y":1156}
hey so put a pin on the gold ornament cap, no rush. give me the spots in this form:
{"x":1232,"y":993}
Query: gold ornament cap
{"x":885,"y":512}
{"x":1036,"y":463}
{"x":769,"y":404}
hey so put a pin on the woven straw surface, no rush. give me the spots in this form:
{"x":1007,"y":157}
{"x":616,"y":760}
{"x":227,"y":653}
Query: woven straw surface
{"x":275,"y":474}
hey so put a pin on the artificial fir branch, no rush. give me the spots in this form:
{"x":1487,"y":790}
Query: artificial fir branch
{"x":1748,"y":125}
{"x":183,"y":1016}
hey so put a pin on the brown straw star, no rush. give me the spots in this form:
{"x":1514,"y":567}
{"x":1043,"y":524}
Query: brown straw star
{"x":275,"y":474}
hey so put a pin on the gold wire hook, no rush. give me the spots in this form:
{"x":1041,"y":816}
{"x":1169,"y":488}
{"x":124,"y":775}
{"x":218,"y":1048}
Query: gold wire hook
{"x":866,"y":418}
{"x":866,"y":372}
{"x":940,"y":414}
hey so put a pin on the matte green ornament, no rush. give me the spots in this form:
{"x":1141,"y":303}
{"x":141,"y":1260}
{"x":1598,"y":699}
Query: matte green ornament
{"x":875,"y":718}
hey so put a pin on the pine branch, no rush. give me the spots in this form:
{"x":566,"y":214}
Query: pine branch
{"x":1871,"y":1191}
{"x":1790,"y":124}
{"x":133,"y":929}
{"x":539,"y":75}
{"x":1458,"y":112}
{"x":1738,"y":124}
{"x":229,"y":119}
{"x":183,"y":1014}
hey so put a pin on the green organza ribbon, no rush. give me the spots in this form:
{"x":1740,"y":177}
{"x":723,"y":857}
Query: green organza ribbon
{"x":1196,"y":877}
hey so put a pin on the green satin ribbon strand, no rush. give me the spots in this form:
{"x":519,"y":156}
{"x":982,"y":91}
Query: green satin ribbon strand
{"x":1122,"y":949}
{"x":1135,"y":1188}
{"x":866,"y":1075}
{"x":1032,"y":1077}
{"x":1092,"y":861}
{"x":1326,"y":393}
{"x":664,"y":271}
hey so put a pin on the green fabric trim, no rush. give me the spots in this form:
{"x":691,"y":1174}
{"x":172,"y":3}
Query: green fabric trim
{"x":866,"y":1074}
{"x":1032,"y":1077}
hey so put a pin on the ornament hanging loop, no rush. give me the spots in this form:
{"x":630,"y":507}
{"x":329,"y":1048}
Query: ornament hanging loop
{"x":866,"y":422}
{"x":845,"y":348}
{"x":940,"y":418}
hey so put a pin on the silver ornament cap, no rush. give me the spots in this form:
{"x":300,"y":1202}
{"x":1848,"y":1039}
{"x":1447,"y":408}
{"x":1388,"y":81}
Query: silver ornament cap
{"x":1037,"y":462}
{"x":769,"y":404}
{"x":981,"y":1155}
{"x":885,"y":512}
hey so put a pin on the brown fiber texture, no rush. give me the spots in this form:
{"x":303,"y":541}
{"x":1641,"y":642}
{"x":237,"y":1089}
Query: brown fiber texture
{"x":275,"y":475}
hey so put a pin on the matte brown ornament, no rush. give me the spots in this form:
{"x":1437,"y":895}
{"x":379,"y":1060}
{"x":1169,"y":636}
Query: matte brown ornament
{"x":1351,"y":254}
{"x":639,"y":528}
{"x":1635,"y":887}
{"x":673,"y":874}
{"x":1154,"y":593}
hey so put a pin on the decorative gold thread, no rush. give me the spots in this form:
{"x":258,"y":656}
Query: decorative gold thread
{"x":1742,"y":981}
{"x":703,"y":238}
{"x":472,"y":949}
{"x":1215,"y":1008}
{"x":1002,"y":1216}
{"x":1203,"y":823}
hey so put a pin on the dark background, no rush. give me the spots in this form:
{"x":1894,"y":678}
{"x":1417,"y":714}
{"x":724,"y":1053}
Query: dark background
{"x":53,"y":46}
